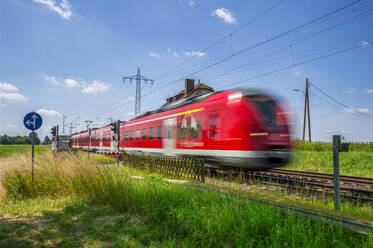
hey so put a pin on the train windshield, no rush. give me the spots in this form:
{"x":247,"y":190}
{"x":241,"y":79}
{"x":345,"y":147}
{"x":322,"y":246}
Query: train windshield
{"x":267,"y":107}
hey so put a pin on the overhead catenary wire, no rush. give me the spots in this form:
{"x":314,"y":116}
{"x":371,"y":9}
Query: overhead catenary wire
{"x":256,"y":45}
{"x":263,"y":42}
{"x":312,"y":35}
{"x":292,"y":66}
{"x":339,"y":102}
{"x":223,"y":38}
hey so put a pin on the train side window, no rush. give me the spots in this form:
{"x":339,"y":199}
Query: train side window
{"x":131,"y":135}
{"x":159,"y":136}
{"x":213,"y":126}
{"x":189,"y":128}
{"x":150,"y":133}
{"x":137,"y":134}
{"x":143,"y":134}
{"x":196,"y":130}
{"x":126,"y":135}
{"x":182,"y":130}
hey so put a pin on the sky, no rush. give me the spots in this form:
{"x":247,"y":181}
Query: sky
{"x":68,"y":57}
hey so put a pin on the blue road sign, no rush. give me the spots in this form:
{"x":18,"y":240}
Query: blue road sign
{"x":32,"y":121}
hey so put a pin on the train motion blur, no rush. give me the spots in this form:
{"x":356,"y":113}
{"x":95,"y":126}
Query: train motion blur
{"x":243,"y":128}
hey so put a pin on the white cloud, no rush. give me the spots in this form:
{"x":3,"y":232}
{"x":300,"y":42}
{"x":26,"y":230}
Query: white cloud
{"x":63,"y":8}
{"x":296,"y":73}
{"x":7,"y":87}
{"x":169,"y":50}
{"x":351,"y":91}
{"x":356,"y":110}
{"x":364,"y":43}
{"x":191,"y":3}
{"x":195,"y":53}
{"x":154,"y":55}
{"x":2,"y":105}
{"x":71,"y":83}
{"x":369,"y":91}
{"x":224,"y":14}
{"x":96,"y":87}
{"x":50,"y":79}
{"x":47,"y":112}
{"x":127,"y":99}
{"x":9,"y":129}
{"x":13,"y":97}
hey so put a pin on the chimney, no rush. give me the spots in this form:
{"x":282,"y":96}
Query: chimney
{"x":189,"y":86}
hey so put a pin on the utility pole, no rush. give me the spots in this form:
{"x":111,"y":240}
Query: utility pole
{"x":138,"y":79}
{"x":307,"y":112}
{"x":71,"y":128}
{"x":63,"y":123}
{"x":88,"y":123}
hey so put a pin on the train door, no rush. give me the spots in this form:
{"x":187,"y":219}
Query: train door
{"x":169,"y":136}
{"x":101,"y":134}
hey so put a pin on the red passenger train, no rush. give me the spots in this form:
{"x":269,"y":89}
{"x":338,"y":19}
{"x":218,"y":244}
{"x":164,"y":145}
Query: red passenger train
{"x":233,"y":128}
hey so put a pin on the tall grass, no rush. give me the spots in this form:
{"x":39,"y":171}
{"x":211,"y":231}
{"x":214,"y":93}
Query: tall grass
{"x":175,"y":215}
{"x":328,"y":146}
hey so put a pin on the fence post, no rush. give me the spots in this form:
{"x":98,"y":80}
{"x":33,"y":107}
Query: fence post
{"x":337,"y":191}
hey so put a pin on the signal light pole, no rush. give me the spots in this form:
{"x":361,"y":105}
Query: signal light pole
{"x":116,"y":130}
{"x":88,"y":123}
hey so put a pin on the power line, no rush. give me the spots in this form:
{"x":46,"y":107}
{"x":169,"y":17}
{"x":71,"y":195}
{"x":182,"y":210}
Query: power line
{"x":293,"y":65}
{"x":297,"y":64}
{"x":264,"y":42}
{"x":338,"y":102}
{"x":225,"y":37}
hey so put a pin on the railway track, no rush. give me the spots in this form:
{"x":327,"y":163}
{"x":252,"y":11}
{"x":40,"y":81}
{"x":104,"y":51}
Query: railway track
{"x":352,"y":188}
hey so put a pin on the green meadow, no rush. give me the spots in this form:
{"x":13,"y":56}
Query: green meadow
{"x":76,"y":202}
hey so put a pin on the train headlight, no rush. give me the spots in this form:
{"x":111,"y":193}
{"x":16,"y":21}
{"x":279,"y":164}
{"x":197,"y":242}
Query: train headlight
{"x":235,"y":97}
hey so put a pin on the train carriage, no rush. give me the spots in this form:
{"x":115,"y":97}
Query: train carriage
{"x":239,"y":128}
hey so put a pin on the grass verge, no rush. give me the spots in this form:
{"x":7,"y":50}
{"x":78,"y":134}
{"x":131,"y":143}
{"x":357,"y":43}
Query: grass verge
{"x":351,"y":163}
{"x":9,"y":150}
{"x":173,"y":215}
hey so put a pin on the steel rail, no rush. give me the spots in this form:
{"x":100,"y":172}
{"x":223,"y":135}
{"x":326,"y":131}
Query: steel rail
{"x":302,"y":182}
{"x":350,"y":179}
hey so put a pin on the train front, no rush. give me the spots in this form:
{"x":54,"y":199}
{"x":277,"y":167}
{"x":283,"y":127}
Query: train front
{"x":268,"y":129}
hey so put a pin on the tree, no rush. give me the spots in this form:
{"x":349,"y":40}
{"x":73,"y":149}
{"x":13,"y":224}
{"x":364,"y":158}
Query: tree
{"x":47,"y":141}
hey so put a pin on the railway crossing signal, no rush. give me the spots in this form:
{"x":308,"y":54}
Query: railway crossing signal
{"x":54,"y":131}
{"x":116,"y":130}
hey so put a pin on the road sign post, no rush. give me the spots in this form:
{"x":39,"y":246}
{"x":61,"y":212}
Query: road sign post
{"x":32,"y":156}
{"x":32,"y":121}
